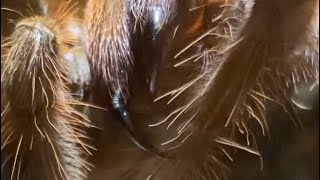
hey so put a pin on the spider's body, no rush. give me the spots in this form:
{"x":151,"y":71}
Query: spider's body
{"x":208,"y":84}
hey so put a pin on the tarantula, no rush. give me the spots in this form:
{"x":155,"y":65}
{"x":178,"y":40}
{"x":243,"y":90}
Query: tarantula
{"x":203,"y":87}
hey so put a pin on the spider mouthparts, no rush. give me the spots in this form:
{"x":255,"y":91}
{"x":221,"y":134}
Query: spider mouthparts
{"x":126,"y":121}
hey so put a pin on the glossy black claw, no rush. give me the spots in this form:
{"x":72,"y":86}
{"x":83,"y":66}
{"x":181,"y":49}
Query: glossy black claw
{"x":119,"y":106}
